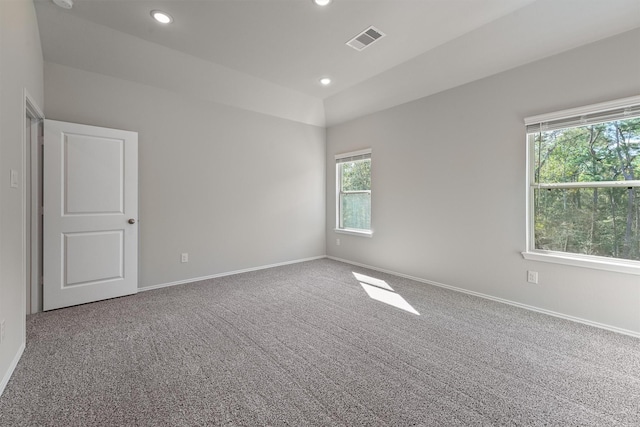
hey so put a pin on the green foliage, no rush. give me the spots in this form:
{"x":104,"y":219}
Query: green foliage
{"x":356,"y":211}
{"x":356,"y":176}
{"x":594,"y":221}
{"x":355,"y":194}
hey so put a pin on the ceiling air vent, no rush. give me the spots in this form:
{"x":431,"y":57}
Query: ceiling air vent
{"x":365,"y":38}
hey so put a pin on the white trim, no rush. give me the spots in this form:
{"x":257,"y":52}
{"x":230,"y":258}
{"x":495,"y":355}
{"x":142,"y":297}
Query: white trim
{"x":587,"y":109}
{"x":501,"y":300}
{"x":566,"y":258}
{"x":34,"y":108}
{"x":586,"y":184}
{"x":354,"y":232}
{"x":587,"y":261}
{"x":353,"y":154}
{"x":228,"y":273}
{"x":31,"y":108}
{"x":12,"y":367}
{"x":530,"y":201}
{"x":338,"y":185}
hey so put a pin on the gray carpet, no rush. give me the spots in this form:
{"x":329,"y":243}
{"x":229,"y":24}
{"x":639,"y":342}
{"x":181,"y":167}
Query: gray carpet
{"x":304,"y":345}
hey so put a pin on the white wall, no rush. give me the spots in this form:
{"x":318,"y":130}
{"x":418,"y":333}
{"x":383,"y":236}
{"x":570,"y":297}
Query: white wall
{"x":81,"y":44}
{"x":20,"y":69}
{"x":448,"y":183}
{"x":486,"y":51}
{"x":235,"y":189}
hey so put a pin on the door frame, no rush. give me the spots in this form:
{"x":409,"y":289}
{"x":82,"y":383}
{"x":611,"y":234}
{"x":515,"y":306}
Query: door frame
{"x":32,"y":157}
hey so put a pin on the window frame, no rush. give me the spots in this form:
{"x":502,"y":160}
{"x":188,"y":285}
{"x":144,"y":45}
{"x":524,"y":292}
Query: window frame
{"x":338,"y":189}
{"x":568,"y":258}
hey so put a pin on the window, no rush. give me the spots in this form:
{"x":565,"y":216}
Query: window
{"x":584,"y":186}
{"x":353,"y":202}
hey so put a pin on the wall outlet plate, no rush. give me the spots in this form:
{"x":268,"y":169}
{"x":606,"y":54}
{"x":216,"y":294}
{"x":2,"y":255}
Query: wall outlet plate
{"x":14,"y":178}
{"x":532,"y":277}
{"x":184,"y":257}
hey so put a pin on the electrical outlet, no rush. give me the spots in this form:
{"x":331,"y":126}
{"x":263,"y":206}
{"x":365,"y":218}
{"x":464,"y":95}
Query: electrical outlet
{"x":14,"y":178}
{"x":337,"y":242}
{"x":184,"y":257}
{"x":1,"y":330}
{"x":532,"y":277}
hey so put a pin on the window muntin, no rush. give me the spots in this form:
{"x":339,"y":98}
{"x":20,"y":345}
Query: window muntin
{"x":584,"y":179}
{"x":353,"y":204}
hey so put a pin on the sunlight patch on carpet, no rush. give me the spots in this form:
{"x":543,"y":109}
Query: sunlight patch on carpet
{"x":380,"y":290}
{"x":372,"y":281}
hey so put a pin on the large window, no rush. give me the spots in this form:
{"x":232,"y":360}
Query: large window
{"x":584,"y":184}
{"x":353,"y":177}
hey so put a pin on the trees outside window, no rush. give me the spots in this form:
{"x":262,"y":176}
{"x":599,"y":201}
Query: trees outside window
{"x":353,"y":174}
{"x":584,"y":184}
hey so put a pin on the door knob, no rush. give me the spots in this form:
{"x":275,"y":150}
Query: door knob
{"x":132,"y":221}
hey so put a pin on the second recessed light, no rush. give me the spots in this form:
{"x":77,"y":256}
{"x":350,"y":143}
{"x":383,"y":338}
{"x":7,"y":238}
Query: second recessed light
{"x":161,"y":17}
{"x":322,"y":2}
{"x":325,"y":81}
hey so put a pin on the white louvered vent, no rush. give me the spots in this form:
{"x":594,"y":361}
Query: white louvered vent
{"x":365,"y":38}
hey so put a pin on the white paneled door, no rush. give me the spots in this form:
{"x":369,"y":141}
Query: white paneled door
{"x":90,"y":247}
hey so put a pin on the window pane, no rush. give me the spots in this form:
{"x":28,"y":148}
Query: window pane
{"x":356,"y":176}
{"x":356,"y":211}
{"x":602,"y":152}
{"x":590,"y":221}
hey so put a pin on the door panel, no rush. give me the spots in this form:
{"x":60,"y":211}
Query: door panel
{"x":90,"y":193}
{"x":93,"y":257}
{"x":94,"y":168}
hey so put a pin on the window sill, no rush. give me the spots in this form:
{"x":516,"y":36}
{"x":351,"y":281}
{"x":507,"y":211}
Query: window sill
{"x":597,"y":263}
{"x":362,"y":233}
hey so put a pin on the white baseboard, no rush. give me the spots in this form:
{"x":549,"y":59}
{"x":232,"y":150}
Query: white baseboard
{"x":12,"y":367}
{"x":502,"y":300}
{"x":229,"y":273}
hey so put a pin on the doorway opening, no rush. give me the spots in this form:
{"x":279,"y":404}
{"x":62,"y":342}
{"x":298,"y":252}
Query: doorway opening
{"x":32,"y":155}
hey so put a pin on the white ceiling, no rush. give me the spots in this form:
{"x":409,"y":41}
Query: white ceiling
{"x":292,"y":43}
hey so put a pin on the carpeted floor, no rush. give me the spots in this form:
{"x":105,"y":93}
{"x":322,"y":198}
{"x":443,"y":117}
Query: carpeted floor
{"x":304,"y":345}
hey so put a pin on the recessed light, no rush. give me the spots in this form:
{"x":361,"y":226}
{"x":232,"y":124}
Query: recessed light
{"x":325,"y":81}
{"x":161,"y":17}
{"x":65,"y":4}
{"x":322,"y":2}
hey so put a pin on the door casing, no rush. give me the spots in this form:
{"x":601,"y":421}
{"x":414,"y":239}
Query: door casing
{"x":32,"y":204}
